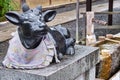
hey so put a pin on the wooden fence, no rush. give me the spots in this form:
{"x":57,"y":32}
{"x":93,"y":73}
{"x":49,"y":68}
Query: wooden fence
{"x":46,"y":3}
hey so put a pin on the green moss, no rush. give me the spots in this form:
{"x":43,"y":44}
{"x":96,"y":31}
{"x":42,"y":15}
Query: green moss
{"x":2,"y":18}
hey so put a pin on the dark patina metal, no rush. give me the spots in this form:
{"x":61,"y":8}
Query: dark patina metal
{"x":33,"y":28}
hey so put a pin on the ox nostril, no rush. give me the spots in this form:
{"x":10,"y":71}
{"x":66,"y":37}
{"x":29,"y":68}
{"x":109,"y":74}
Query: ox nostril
{"x":42,"y":24}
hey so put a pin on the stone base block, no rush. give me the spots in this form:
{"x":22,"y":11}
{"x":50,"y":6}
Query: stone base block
{"x":88,"y":75}
{"x":69,"y":69}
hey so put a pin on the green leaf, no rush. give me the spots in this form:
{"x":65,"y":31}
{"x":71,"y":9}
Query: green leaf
{"x":7,"y":5}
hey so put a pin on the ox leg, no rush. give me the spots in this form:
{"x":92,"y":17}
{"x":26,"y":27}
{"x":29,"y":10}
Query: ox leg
{"x":60,"y":56}
{"x":70,"y":50}
{"x":70,"y":42}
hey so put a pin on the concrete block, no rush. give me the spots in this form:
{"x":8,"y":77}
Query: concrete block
{"x":91,"y":74}
{"x":81,"y":77}
{"x":69,"y":68}
{"x":88,"y":75}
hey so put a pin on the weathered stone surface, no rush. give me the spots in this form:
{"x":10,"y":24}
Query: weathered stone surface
{"x":88,"y":75}
{"x":5,"y":31}
{"x":69,"y":68}
{"x":110,"y":63}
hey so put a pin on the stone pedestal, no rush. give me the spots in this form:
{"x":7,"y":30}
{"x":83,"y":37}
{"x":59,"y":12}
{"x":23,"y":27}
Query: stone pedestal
{"x":81,"y":66}
{"x":88,"y":75}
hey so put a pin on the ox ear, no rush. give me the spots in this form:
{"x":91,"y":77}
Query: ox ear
{"x":13,"y":17}
{"x":49,"y":15}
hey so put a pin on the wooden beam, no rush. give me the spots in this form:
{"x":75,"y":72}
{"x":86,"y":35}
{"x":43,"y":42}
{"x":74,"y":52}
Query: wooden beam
{"x":89,"y":5}
{"x":110,"y":17}
{"x":50,"y":2}
{"x":116,"y":12}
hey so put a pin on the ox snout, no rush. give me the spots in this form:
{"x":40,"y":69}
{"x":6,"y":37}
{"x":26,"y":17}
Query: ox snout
{"x":40,"y":31}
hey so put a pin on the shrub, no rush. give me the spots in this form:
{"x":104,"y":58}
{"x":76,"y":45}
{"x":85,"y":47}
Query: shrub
{"x":5,"y":6}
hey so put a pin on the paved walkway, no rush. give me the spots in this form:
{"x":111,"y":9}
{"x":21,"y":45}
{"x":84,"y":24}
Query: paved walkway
{"x":71,"y":15}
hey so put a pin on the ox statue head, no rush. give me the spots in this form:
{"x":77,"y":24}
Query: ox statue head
{"x":32,"y":24}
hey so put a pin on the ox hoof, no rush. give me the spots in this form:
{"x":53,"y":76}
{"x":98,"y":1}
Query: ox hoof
{"x":60,"y":56}
{"x":70,"y":51}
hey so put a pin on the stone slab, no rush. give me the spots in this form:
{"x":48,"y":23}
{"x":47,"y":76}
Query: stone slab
{"x":6,"y":29}
{"x":69,"y":68}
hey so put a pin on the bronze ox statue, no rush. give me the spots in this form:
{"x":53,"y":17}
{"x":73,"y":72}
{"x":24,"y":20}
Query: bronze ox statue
{"x":34,"y":44}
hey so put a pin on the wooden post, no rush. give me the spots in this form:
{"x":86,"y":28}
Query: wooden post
{"x":89,"y":23}
{"x":50,"y":2}
{"x":77,"y":21}
{"x":90,"y":36}
{"x":89,"y":5}
{"x":88,"y":8}
{"x":110,"y":18}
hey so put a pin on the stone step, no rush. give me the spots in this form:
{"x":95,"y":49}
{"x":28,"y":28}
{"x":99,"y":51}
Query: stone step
{"x":69,"y":68}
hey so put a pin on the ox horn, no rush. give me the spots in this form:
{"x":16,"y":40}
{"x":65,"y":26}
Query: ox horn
{"x":24,"y":6}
